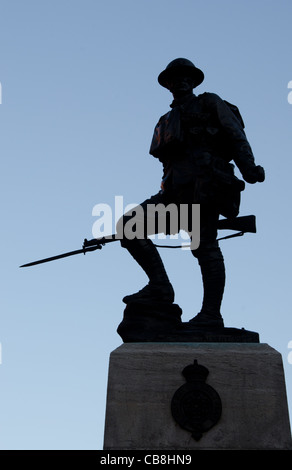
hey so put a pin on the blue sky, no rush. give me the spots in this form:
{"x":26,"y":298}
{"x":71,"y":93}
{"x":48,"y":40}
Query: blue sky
{"x":80,"y":99}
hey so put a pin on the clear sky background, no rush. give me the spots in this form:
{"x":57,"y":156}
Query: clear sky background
{"x":80,"y":100}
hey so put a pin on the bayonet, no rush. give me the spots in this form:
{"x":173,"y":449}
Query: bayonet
{"x":88,"y":245}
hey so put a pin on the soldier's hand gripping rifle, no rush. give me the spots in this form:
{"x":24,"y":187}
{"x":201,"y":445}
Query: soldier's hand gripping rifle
{"x":241,"y":224}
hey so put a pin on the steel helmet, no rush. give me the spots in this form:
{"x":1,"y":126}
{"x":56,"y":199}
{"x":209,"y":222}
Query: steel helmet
{"x":178,"y":66}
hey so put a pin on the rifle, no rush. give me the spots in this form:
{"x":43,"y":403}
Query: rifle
{"x":241,"y":224}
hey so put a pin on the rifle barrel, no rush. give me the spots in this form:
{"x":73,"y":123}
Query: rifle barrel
{"x":243,"y":224}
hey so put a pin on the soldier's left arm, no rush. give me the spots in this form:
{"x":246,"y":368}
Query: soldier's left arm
{"x":234,"y":132}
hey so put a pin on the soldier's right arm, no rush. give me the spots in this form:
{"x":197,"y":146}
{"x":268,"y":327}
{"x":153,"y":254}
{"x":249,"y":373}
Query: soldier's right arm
{"x":234,"y":132}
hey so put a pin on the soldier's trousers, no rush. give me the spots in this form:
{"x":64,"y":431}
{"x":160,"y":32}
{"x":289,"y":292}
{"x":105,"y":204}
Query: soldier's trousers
{"x":208,"y":253}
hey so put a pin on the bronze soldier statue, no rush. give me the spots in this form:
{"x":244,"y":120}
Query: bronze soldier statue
{"x":195,"y":142}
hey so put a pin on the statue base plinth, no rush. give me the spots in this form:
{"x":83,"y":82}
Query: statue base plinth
{"x":236,"y":402}
{"x":161,"y":322}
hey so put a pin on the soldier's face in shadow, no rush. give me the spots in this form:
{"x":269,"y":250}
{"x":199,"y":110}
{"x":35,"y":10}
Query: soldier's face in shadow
{"x":180,"y":85}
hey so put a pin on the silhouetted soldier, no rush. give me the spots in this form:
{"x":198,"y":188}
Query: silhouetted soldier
{"x":195,"y":141}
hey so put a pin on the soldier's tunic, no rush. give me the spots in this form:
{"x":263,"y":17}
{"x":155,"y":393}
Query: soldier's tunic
{"x":196,"y":141}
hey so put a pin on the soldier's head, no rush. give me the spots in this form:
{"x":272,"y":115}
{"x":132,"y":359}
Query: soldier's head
{"x":180,"y":77}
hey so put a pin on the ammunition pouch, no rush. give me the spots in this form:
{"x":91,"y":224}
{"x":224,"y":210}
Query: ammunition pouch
{"x":216,"y":184}
{"x":227,"y":190}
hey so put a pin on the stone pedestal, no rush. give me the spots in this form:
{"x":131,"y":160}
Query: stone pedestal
{"x":236,"y":402}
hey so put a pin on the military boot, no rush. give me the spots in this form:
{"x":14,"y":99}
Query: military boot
{"x":213,"y":276}
{"x":159,"y":289}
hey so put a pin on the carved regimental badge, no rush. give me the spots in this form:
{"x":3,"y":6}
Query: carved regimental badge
{"x":196,"y":406}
